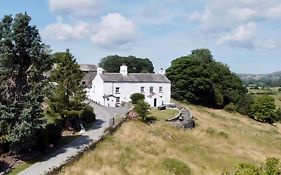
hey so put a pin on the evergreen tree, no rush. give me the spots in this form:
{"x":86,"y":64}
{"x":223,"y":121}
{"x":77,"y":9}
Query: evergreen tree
{"x":23,"y":59}
{"x":67,"y":95}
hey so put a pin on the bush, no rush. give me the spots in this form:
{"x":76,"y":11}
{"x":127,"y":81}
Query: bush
{"x":247,"y":169}
{"x":54,"y":132}
{"x":176,"y":167}
{"x":244,"y":104}
{"x":141,"y":108}
{"x":270,"y":167}
{"x":137,"y":97}
{"x":263,"y":109}
{"x":88,"y":115}
{"x":230,"y":107}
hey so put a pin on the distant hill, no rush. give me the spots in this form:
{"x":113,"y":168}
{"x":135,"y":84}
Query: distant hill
{"x":272,"y":76}
{"x":271,"y":79}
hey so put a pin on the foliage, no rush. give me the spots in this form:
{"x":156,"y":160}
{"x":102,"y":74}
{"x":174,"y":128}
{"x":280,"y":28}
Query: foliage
{"x":270,"y":167}
{"x":244,"y":104}
{"x":88,"y":115}
{"x":176,"y":167}
{"x":198,"y":79}
{"x":112,"y":63}
{"x":264,"y":109}
{"x":136,"y":97}
{"x":230,"y":107}
{"x":67,"y":96}
{"x":247,"y":169}
{"x":23,"y":60}
{"x":141,"y":108}
{"x":57,"y":57}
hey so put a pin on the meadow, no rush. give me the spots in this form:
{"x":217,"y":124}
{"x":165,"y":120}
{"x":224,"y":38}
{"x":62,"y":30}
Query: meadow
{"x":219,"y":142}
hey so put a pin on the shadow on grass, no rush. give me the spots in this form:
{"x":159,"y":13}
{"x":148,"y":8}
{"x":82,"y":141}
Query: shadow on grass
{"x":66,"y":143}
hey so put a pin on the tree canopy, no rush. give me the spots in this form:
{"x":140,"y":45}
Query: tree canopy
{"x":199,"y":79}
{"x":23,"y":59}
{"x":112,"y":63}
{"x":67,"y":96}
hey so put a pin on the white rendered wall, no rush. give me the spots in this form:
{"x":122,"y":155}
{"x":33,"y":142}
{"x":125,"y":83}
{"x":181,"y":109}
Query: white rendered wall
{"x":126,"y":89}
{"x":96,"y":93}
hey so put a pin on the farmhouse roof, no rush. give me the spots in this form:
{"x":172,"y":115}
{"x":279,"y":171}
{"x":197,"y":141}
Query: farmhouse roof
{"x":135,"y":77}
{"x":88,"y":67}
{"x":88,"y":78}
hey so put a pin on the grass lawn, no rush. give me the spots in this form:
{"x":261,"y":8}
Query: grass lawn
{"x":163,"y":114}
{"x":219,"y":142}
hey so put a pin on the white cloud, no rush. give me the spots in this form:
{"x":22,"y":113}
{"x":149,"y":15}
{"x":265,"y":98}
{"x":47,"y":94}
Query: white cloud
{"x":225,"y":14}
{"x":242,"y":36}
{"x":62,"y":31}
{"x":114,"y":30}
{"x":75,"y":7}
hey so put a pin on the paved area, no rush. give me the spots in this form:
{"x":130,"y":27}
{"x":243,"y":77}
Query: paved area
{"x":56,"y":159}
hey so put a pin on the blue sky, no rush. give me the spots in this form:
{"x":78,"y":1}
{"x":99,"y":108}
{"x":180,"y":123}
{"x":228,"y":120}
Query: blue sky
{"x":244,"y":34}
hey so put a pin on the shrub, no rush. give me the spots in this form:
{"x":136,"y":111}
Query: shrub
{"x":230,"y":107}
{"x":270,"y":167}
{"x":54,"y":132}
{"x":244,"y":104}
{"x":176,"y":167}
{"x":141,"y":108}
{"x":263,"y":109}
{"x":247,"y":169}
{"x":88,"y":115}
{"x":137,"y":97}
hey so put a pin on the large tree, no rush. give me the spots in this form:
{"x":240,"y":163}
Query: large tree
{"x":67,"y":96}
{"x":112,"y":63}
{"x":199,"y":79}
{"x":23,"y":59}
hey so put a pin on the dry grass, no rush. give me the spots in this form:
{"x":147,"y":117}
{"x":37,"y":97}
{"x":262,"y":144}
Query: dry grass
{"x":219,"y":142}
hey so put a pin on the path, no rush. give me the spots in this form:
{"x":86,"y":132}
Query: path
{"x":56,"y":159}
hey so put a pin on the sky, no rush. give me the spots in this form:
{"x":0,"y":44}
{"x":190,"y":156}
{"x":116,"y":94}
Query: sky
{"x":244,"y":34}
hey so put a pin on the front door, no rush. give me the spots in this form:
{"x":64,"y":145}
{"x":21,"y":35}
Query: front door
{"x":155,"y":102}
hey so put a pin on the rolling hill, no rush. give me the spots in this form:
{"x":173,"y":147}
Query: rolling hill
{"x":219,"y":142}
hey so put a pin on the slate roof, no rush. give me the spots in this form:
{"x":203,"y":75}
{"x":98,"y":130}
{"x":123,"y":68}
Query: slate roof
{"x":88,"y":78}
{"x":88,"y":67}
{"x":135,"y":77}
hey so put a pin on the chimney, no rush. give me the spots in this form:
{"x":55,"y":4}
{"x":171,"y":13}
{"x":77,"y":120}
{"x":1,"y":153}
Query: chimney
{"x":162,"y":71}
{"x":99,"y":70}
{"x":124,"y":70}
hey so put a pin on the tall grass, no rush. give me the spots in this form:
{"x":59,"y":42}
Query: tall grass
{"x":219,"y":142}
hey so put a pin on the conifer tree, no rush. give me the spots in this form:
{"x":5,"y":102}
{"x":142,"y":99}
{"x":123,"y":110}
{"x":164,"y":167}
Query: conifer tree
{"x":67,"y":97}
{"x":23,"y":60}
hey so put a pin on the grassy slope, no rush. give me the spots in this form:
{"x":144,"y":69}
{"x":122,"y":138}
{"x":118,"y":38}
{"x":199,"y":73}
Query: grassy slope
{"x":219,"y":142}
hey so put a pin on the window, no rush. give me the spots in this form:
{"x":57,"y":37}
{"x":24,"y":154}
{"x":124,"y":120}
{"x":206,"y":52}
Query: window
{"x":117,"y":90}
{"x":160,"y":89}
{"x":142,"y":89}
{"x":151,"y":89}
{"x":93,"y":89}
{"x":117,"y":99}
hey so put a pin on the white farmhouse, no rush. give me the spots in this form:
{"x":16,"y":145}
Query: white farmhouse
{"x":112,"y":89}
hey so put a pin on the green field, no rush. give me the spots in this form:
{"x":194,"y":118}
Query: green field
{"x":269,"y":91}
{"x":219,"y":142}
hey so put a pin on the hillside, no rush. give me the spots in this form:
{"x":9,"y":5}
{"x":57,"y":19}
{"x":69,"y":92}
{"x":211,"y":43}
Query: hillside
{"x":219,"y":142}
{"x":270,"y":76}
